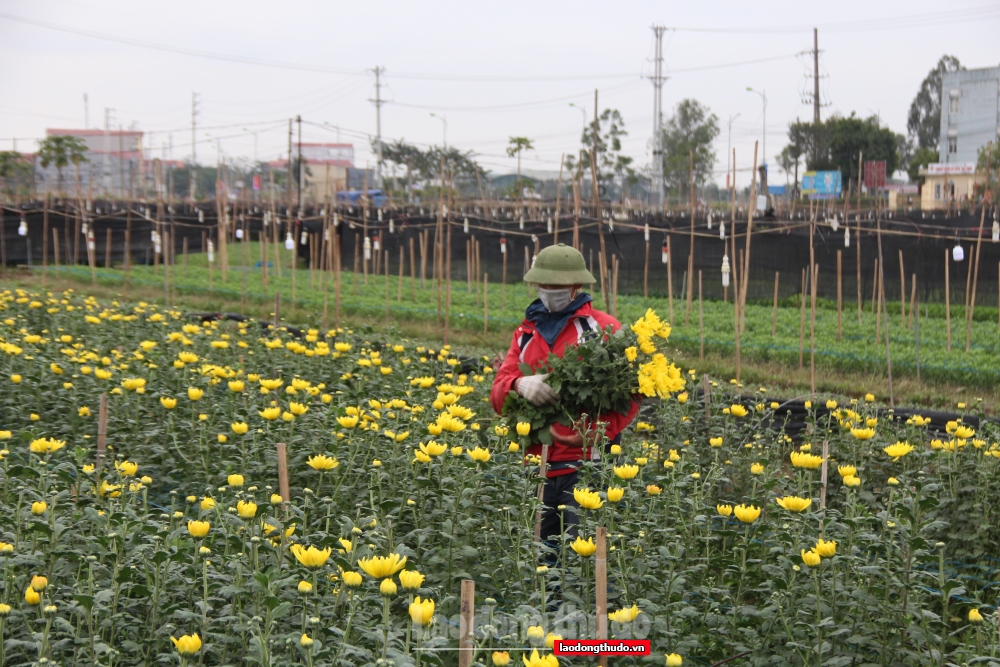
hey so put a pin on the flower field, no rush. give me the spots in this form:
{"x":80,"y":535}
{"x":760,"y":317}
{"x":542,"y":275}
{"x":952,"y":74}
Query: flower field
{"x":724,"y":537}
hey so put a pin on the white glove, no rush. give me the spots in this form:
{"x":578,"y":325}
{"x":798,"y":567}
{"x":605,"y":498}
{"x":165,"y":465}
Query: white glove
{"x":534,"y":389}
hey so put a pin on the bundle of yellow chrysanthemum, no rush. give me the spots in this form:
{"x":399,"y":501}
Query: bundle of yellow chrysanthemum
{"x":604,"y":373}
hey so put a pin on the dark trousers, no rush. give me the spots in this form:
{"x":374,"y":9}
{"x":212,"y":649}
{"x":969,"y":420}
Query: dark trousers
{"x":559,"y":491}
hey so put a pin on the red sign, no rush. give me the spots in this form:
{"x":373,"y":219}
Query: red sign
{"x":875,"y":174}
{"x":256,"y":182}
{"x":582,"y":647}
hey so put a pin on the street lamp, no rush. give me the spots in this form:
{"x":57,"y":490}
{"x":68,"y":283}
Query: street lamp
{"x":763,"y":96}
{"x":583,"y":110}
{"x":445,"y":121}
{"x":729,"y":146}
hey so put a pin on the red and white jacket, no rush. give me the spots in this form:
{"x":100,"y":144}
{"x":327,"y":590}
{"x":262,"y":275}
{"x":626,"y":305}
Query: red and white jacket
{"x":529,"y":347}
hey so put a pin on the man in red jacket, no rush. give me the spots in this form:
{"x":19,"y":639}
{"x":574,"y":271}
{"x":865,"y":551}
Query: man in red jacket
{"x":557,"y":320}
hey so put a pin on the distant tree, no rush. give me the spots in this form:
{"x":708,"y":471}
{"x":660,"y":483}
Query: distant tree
{"x":692,"y":129}
{"x":836,"y":143}
{"x":61,"y":150}
{"x":990,"y":162}
{"x":407,"y":155}
{"x":788,"y":161}
{"x":13,"y":167}
{"x":921,"y":158}
{"x":516,"y":146}
{"x":924,"y":120}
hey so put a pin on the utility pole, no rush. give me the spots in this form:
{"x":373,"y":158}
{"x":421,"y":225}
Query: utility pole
{"x":194,"y":145}
{"x":378,"y":102}
{"x":815,"y":76}
{"x":302,"y":171}
{"x":105,"y":168}
{"x":289,"y":187}
{"x":658,"y":80}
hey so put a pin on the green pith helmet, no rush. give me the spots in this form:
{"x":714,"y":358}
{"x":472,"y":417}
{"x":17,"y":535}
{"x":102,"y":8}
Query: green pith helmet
{"x":559,"y":265}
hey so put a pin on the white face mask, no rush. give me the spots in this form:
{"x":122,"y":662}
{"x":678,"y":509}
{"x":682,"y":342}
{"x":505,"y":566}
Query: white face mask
{"x":555,"y":300}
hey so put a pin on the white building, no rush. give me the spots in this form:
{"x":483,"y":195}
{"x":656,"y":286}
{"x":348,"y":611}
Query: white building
{"x":970,"y":113}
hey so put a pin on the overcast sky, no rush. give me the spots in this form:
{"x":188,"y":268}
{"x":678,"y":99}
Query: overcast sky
{"x":493,"y":70}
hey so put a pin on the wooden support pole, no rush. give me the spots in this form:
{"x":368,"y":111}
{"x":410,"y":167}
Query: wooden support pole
{"x":277,"y":309}
{"x":385,"y":257}
{"x":670,"y":281}
{"x":55,"y":246}
{"x":701,"y":320}
{"x":486,"y":307}
{"x":902,"y":290}
{"x":947,"y":298}
{"x":543,"y":469}
{"x":874,"y":286}
{"x":774,"y":309}
{"x":413,"y":271}
{"x":184,"y":253}
{"x":823,"y":475}
{"x":107,"y":249}
{"x":402,"y":263}
{"x":745,"y":277}
{"x":102,"y":433}
{"x":913,"y":300}
{"x":45,"y":235}
{"x":601,"y":588}
{"x":802,"y":321}
{"x":645,"y":274}
{"x":840,"y":292}
{"x":812,"y":331}
{"x":466,"y":624}
{"x":283,"y":472}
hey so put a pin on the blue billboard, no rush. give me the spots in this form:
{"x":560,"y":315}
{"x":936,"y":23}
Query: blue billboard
{"x":821,"y":184}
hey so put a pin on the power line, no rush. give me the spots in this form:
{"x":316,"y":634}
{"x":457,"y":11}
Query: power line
{"x":868,"y":25}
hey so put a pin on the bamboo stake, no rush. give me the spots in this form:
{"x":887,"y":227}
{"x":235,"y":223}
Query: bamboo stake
{"x":812,"y":331}
{"x":503,"y":279}
{"x":184,"y":253}
{"x":979,"y":243}
{"x":283,"y":472}
{"x":916,"y":328}
{"x":902,"y":290}
{"x":802,"y":320}
{"x":102,"y":433}
{"x":614,"y":286}
{"x":645,"y":274}
{"x":466,"y":625}
{"x":338,"y":270}
{"x":947,"y":298}
{"x":840,"y":293}
{"x":701,"y":320}
{"x":486,"y":307}
{"x":774,"y":312}
{"x":555,"y":220}
{"x":746,"y":257}
{"x":879,"y":296}
{"x":823,"y":475}
{"x":386,"y":277}
{"x":277,"y":311}
{"x":45,"y":236}
{"x":670,"y":280}
{"x":857,"y":240}
{"x":690,"y":269}
{"x":913,"y":299}
{"x":888,"y":353}
{"x":874,"y":286}
{"x":413,"y":271}
{"x":107,"y":249}
{"x":601,"y":588}
{"x":402,"y":261}
{"x":55,"y":246}
{"x":539,"y":493}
